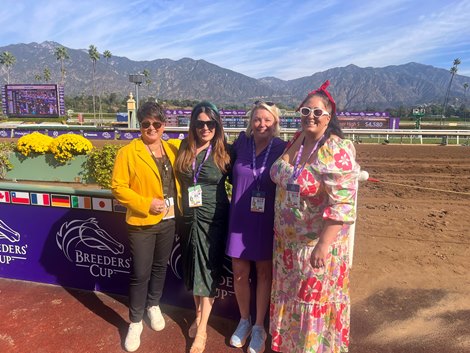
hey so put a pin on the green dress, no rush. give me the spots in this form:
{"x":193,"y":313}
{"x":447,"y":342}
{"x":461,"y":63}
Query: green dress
{"x":203,"y":230}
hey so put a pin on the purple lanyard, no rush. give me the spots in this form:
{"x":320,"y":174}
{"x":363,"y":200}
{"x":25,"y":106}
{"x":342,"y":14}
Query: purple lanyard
{"x":196,"y":175}
{"x":263,"y":166}
{"x":297,"y":168}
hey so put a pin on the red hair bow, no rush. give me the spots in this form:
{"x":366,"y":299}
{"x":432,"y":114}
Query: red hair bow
{"x":323,"y":89}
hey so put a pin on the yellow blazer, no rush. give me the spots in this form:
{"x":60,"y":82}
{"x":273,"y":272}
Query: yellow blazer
{"x":136,"y":181}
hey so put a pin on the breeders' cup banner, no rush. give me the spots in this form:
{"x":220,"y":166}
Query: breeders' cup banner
{"x":80,"y":241}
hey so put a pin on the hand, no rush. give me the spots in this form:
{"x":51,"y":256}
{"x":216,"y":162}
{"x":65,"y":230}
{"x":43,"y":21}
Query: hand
{"x":319,"y":253}
{"x":157,"y":206}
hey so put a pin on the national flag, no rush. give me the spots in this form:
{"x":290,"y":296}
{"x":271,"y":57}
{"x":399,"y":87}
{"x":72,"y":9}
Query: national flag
{"x":40,"y":199}
{"x":100,"y":204}
{"x":20,"y":197}
{"x":60,"y":200}
{"x":118,"y":207}
{"x":83,"y":202}
{"x":4,"y":196}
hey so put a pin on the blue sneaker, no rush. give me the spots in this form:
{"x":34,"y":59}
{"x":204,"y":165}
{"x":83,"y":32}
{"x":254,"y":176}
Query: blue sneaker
{"x":258,"y":339}
{"x":242,"y":332}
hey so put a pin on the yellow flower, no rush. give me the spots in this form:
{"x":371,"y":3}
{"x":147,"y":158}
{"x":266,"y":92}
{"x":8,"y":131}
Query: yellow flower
{"x":33,"y":143}
{"x":65,"y":147}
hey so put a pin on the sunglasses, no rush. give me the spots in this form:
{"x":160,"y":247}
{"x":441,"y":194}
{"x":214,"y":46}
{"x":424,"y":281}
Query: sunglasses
{"x":211,"y":124}
{"x":156,"y":124}
{"x":317,"y":112}
{"x":267,"y":103}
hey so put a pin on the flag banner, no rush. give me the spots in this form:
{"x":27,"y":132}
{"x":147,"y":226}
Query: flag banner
{"x":118,"y":207}
{"x":40,"y":199}
{"x":60,"y":200}
{"x":83,"y":202}
{"x":4,"y":196}
{"x":100,"y":204}
{"x":20,"y":197}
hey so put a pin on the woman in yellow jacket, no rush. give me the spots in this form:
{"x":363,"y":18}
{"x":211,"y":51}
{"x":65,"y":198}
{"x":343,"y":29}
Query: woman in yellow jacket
{"x":144,"y":181}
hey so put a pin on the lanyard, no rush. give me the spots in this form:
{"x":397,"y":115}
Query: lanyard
{"x":263,"y":166}
{"x":196,"y":175}
{"x":297,"y":168}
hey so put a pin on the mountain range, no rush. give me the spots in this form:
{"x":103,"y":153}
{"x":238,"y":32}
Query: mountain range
{"x":353,"y":87}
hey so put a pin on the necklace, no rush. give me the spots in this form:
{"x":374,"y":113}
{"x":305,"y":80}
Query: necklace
{"x":161,"y":159}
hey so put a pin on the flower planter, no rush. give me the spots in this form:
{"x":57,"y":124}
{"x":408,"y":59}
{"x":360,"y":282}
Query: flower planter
{"x":44,"y":167}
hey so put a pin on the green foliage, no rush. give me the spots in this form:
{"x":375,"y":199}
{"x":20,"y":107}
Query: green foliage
{"x":100,"y":164}
{"x":5,"y":149}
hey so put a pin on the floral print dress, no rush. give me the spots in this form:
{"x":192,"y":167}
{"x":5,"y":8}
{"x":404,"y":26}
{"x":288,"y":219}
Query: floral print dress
{"x":310,"y":306}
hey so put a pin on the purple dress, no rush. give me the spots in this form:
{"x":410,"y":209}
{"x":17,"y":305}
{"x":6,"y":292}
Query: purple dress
{"x":250,"y":234}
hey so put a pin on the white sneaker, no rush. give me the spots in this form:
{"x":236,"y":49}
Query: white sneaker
{"x":132,"y":341}
{"x":157,"y":322}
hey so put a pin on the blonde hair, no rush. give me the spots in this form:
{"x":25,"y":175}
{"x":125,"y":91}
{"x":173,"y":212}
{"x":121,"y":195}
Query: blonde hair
{"x":272,"y":109}
{"x":187,"y":154}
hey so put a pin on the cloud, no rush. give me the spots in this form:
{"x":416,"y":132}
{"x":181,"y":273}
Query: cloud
{"x":286,"y":39}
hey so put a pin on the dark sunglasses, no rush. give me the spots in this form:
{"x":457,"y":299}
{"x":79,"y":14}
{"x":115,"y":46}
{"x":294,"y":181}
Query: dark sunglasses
{"x":317,"y":112}
{"x":156,"y":124}
{"x":267,"y":103}
{"x":211,"y":124}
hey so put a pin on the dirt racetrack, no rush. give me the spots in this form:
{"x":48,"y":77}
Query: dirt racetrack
{"x":409,"y":282}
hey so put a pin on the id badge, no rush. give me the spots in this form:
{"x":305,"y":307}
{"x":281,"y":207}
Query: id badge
{"x":258,"y":200}
{"x":293,"y":195}
{"x":195,"y":196}
{"x":169,"y":208}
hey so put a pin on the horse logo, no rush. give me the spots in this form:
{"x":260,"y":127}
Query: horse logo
{"x":86,"y":232}
{"x":7,"y":233}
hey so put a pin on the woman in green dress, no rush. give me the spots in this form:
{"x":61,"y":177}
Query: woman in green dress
{"x":201,"y":168}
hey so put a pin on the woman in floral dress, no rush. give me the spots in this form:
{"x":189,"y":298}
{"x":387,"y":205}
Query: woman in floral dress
{"x":316,"y":180}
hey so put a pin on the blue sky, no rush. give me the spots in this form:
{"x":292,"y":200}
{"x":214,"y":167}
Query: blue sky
{"x":286,"y":39}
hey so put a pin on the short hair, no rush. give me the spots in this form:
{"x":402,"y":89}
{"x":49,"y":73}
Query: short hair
{"x":271,"y":108}
{"x":151,"y":110}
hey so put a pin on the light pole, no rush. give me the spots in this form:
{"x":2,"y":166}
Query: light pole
{"x":137,"y":79}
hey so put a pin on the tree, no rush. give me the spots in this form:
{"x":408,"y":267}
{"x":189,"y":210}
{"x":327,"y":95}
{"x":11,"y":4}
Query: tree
{"x":7,"y":59}
{"x":61,"y":55}
{"x":453,"y":71}
{"x":47,"y":74}
{"x":465,"y":87}
{"x":37,"y":77}
{"x":148,"y":81}
{"x":107,"y":55}
{"x":94,"y":56}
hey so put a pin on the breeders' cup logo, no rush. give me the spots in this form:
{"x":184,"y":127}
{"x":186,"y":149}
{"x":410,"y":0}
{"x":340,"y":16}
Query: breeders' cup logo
{"x":225,"y":286}
{"x":10,"y":252}
{"x":106,"y":135}
{"x":84,"y":243}
{"x":3,"y":133}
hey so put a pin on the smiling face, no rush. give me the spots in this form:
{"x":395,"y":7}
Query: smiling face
{"x":315,"y":125}
{"x":150,"y":131}
{"x":262,"y":124}
{"x":204,"y":132}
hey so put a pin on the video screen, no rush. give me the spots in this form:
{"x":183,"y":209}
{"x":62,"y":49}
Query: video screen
{"x":33,"y":101}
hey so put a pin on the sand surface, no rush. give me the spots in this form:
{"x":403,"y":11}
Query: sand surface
{"x":410,"y":282}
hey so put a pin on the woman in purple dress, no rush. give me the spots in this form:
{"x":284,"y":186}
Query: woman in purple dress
{"x":250,"y":236}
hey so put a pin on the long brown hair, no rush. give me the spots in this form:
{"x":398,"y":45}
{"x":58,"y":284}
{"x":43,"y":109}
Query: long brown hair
{"x":187,"y":154}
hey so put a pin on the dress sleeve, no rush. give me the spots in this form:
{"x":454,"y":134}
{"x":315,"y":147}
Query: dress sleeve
{"x":336,"y":163}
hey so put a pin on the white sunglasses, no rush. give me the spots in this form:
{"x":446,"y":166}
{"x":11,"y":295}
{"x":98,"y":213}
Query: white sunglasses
{"x":317,"y":112}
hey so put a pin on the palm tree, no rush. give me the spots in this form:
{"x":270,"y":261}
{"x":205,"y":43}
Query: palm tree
{"x":453,"y":70}
{"x":47,"y":74}
{"x":148,"y":81}
{"x":7,"y":59}
{"x":465,"y":87}
{"x":61,"y":54}
{"x":107,"y":55}
{"x":94,"y":56}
